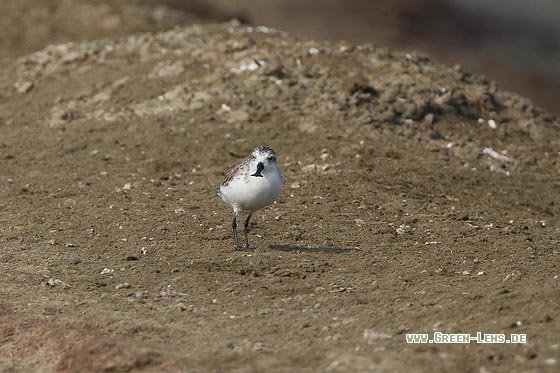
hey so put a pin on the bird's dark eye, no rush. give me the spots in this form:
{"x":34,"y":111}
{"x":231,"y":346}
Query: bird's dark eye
{"x":271,"y":158}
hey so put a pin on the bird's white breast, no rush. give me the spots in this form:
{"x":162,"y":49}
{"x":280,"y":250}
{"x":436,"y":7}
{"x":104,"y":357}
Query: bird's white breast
{"x":250,"y":193}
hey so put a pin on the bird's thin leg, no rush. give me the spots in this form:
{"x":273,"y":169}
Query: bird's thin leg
{"x":234,"y":227}
{"x":246,"y":230}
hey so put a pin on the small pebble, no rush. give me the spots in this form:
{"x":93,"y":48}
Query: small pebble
{"x":24,"y":87}
{"x":372,"y":335}
{"x":309,"y":168}
{"x":56,"y":282}
{"x":107,"y":272}
{"x":140,"y":296}
{"x":313,"y":51}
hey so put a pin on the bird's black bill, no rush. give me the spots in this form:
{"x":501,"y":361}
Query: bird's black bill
{"x":260,"y":167}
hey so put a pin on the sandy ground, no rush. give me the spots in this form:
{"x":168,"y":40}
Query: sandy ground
{"x":418,"y":198}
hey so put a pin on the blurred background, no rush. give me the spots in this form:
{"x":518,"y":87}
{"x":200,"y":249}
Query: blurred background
{"x":513,"y":42}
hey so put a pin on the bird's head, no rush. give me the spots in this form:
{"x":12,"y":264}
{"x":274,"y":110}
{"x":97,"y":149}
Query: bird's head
{"x":263,"y":159}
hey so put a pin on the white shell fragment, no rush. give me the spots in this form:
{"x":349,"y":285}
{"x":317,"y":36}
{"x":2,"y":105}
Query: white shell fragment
{"x":52,"y":282}
{"x":494,"y":154}
{"x":313,"y":51}
{"x":251,"y":66}
{"x":107,"y":272}
{"x":373,"y":336}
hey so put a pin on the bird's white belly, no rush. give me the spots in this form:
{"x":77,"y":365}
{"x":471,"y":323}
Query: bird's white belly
{"x":253,"y":195}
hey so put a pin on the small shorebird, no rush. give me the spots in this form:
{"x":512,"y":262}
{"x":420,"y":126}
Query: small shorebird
{"x":251,"y":185}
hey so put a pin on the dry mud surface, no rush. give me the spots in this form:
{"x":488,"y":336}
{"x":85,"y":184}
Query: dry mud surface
{"x":418,"y":198}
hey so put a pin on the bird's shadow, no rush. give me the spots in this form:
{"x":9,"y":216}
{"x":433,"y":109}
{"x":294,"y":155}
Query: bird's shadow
{"x":323,"y":249}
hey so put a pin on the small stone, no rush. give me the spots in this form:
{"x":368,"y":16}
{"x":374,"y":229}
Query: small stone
{"x":52,"y":282}
{"x":139,"y":296}
{"x":69,"y":203}
{"x":373,"y":336}
{"x":170,"y":293}
{"x":24,"y":87}
{"x":309,"y":168}
{"x":225,"y":108}
{"x":313,"y":51}
{"x":237,"y":116}
{"x":429,"y":119}
{"x":295,"y":185}
{"x":168,"y":70}
{"x":124,"y":285}
{"x":144,"y":251}
{"x":75,"y":261}
{"x":107,"y":272}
